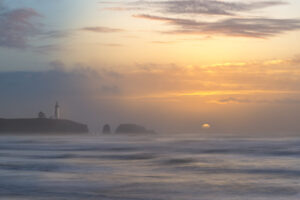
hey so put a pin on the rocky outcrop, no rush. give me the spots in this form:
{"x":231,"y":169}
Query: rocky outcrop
{"x":41,"y":125}
{"x":132,"y":128}
{"x":106,"y":129}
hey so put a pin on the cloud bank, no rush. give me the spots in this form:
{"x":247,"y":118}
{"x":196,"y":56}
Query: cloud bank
{"x":209,"y":7}
{"x":265,"y":97}
{"x":17,"y":26}
{"x":249,"y":27}
{"x":229,"y":18}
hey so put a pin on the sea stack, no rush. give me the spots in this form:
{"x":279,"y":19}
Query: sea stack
{"x":106,"y":129}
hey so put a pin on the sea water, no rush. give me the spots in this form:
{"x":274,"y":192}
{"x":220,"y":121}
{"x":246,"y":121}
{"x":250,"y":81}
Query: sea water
{"x":169,"y":167}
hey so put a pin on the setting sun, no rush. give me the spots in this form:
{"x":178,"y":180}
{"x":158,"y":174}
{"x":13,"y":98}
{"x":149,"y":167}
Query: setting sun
{"x":206,"y":126}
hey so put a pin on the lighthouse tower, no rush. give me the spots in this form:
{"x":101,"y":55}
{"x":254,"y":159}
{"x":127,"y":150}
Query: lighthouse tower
{"x":57,"y":111}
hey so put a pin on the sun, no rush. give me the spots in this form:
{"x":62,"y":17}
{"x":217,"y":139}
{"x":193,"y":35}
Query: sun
{"x":206,"y":126}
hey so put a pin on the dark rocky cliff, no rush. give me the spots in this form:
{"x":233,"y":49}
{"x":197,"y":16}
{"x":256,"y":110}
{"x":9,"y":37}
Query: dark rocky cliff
{"x":41,"y":126}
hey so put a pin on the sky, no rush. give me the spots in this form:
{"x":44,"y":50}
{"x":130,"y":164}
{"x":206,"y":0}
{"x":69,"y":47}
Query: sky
{"x":176,"y":66}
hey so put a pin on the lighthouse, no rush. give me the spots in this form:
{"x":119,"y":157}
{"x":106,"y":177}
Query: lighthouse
{"x":57,"y":111}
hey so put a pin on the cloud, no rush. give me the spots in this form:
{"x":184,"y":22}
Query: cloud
{"x":233,"y":18}
{"x":243,"y":27}
{"x":102,"y":29}
{"x":203,"y":7}
{"x":37,"y":88}
{"x":156,"y":18}
{"x":112,"y":44}
{"x":60,"y":80}
{"x":17,"y":26}
{"x":44,"y":49}
{"x":218,"y":80}
{"x":260,"y":100}
{"x":227,"y":82}
{"x":210,"y":7}
{"x":56,"y":34}
{"x":234,"y":100}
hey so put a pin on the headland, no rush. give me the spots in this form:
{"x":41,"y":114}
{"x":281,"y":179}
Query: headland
{"x":41,"y":125}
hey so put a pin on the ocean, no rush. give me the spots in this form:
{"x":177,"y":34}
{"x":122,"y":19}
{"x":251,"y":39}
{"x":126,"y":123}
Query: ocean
{"x":160,"y":167}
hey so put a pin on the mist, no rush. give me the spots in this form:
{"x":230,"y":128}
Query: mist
{"x":100,"y":96}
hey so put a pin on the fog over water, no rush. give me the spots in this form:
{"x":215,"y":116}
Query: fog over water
{"x":149,"y":167}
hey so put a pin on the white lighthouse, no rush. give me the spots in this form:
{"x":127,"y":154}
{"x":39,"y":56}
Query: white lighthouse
{"x":57,"y":111}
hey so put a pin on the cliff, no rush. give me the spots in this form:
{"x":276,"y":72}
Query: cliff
{"x":41,"y":126}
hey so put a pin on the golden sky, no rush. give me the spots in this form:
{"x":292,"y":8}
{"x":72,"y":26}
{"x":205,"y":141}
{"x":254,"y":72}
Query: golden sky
{"x":192,"y":61}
